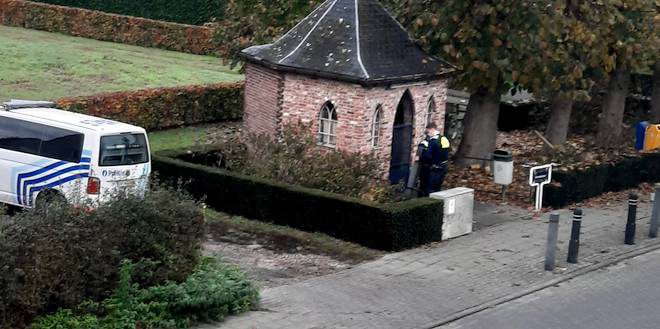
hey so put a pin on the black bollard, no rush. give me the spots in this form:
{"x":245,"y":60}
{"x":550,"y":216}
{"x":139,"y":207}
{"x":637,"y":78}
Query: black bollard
{"x":631,"y":226}
{"x":574,"y":244}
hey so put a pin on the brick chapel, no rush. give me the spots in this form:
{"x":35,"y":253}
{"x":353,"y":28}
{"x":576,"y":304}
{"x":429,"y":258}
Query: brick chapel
{"x":353,"y":73}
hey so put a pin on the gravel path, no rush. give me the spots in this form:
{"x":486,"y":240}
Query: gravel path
{"x":271,"y":268}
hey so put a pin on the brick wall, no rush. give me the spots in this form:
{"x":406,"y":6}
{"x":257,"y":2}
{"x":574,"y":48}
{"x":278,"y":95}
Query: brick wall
{"x":274,"y":100}
{"x":263,"y":96}
{"x":389,"y":99}
{"x":303,"y":98}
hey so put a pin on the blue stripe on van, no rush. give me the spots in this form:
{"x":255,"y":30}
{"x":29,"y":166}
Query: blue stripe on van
{"x":28,"y":183}
{"x":54,"y":184}
{"x":20,"y":178}
{"x":21,"y":195}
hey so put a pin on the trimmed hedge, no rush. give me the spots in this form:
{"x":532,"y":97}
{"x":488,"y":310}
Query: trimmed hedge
{"x":195,"y":12}
{"x":578,"y":185}
{"x":394,"y":226}
{"x":164,"y":107}
{"x":109,"y":27}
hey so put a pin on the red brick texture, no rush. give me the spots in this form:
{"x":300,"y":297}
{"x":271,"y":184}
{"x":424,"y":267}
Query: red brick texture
{"x":275,"y":100}
{"x":263,"y":97}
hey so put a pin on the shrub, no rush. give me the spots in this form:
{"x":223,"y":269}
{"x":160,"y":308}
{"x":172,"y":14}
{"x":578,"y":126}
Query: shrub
{"x":212,"y":292}
{"x":63,"y":256}
{"x":164,"y":107}
{"x":195,"y":12}
{"x":296,"y":159}
{"x":394,"y":226}
{"x":110,"y":27}
{"x":581,"y":184}
{"x":66,"y":319}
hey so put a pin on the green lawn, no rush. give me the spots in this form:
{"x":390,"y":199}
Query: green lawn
{"x":46,"y":66}
{"x":178,"y":138}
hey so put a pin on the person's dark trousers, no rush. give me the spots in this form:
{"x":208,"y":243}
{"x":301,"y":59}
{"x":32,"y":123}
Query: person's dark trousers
{"x":437,"y":178}
{"x":424,"y":181}
{"x":431,"y":180}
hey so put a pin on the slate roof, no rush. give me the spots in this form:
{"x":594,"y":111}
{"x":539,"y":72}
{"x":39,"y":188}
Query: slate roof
{"x":350,"y":40}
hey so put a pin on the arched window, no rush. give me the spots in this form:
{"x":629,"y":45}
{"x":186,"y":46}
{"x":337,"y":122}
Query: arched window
{"x":430,"y":114}
{"x":376,"y":128}
{"x":328,"y":125}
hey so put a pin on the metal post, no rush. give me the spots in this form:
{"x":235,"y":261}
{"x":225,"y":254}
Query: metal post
{"x":631,"y":225}
{"x":655,"y":217}
{"x":574,"y":245}
{"x":551,"y":247}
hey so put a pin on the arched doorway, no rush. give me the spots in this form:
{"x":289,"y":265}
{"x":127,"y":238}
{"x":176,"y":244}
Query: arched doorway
{"x":402,"y":140}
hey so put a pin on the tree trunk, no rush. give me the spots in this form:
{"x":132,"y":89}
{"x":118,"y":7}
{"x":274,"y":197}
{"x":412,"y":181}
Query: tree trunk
{"x":614,"y":106}
{"x":557,"y":130}
{"x":480,"y":131}
{"x":655,"y":98}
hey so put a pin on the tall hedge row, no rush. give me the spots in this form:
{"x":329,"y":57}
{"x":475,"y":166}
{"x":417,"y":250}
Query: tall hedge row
{"x":194,"y":12}
{"x":578,"y":185}
{"x":109,"y":27}
{"x":164,"y":107}
{"x":387,"y":227}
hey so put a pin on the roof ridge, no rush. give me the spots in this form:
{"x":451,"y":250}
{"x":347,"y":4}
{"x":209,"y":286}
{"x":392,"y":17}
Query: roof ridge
{"x":310,"y":31}
{"x":357,"y":37}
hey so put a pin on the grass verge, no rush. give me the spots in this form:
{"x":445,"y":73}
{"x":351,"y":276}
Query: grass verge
{"x":47,"y":66}
{"x":180,"y":137}
{"x":285,"y":239}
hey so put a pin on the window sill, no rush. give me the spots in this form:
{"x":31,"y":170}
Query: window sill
{"x":333,"y":147}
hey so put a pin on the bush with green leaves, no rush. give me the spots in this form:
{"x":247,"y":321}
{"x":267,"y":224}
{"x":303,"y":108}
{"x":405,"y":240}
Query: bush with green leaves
{"x":63,"y":256}
{"x":213,"y":291}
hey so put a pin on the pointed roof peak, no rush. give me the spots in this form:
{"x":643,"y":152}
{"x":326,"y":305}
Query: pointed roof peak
{"x":350,"y":40}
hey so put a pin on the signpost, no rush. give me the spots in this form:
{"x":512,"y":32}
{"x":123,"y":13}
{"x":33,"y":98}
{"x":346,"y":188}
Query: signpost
{"x":539,"y":177}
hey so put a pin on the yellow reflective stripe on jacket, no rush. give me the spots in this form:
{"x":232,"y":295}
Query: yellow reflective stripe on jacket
{"x":444,"y":142}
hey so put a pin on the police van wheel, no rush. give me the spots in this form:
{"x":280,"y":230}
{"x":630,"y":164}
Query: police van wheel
{"x":48,"y":199}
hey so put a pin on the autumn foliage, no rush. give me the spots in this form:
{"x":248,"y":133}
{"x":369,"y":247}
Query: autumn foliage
{"x":108,"y":27}
{"x":195,"y":12}
{"x":164,"y":107}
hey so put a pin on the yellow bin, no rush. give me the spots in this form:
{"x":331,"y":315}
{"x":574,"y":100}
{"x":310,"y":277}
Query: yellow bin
{"x":652,"y":140}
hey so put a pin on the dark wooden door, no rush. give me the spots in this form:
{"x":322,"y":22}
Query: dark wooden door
{"x":402,"y":140}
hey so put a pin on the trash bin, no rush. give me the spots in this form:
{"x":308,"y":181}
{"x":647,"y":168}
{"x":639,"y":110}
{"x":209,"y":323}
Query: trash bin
{"x":641,"y":135}
{"x":652,"y":140}
{"x":503,"y":167}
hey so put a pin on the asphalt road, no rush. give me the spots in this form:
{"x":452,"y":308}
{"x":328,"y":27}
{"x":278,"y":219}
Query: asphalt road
{"x":624,"y":296}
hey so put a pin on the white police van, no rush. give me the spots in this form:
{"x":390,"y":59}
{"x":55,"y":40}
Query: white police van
{"x":48,"y":154}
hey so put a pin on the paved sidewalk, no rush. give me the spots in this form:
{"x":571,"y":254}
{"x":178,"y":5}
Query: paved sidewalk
{"x":625,"y":295}
{"x":422,"y":287}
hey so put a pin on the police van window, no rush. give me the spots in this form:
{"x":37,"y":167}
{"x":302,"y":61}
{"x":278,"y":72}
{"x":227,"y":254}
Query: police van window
{"x":20,"y":136}
{"x":41,"y":140}
{"x":124,"y":149}
{"x":61,"y":144}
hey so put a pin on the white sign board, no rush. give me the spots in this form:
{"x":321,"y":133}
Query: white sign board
{"x":451,"y":206}
{"x":539,"y":177}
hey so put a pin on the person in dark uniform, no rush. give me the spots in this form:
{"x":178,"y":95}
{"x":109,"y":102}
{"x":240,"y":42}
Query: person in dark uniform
{"x":434,"y":161}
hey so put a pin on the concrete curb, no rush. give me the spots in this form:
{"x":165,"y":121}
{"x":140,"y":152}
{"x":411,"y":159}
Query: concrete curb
{"x":541,"y":286}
